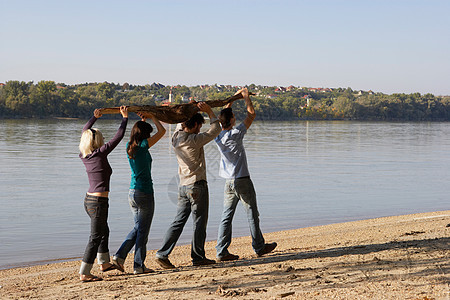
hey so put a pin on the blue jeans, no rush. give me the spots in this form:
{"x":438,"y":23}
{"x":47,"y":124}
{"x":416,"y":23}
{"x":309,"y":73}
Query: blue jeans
{"x":239,"y":189}
{"x":191,"y":198}
{"x":142,"y":206}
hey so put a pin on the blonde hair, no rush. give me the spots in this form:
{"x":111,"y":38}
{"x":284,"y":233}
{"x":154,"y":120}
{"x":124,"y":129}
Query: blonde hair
{"x":90,"y":141}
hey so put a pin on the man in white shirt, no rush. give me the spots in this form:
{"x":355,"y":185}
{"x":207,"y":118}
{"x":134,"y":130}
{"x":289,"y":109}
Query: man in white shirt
{"x":238,"y":185}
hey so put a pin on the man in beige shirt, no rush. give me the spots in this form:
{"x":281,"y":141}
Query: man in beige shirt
{"x":193,"y":194}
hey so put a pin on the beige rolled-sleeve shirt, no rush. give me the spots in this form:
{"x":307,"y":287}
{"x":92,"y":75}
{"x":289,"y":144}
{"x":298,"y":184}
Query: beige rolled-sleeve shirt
{"x":188,"y":148}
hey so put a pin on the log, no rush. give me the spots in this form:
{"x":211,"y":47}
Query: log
{"x":172,"y":114}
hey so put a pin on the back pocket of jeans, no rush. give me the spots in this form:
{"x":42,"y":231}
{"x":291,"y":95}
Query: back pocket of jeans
{"x":92,"y":211}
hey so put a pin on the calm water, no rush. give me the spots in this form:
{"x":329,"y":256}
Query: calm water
{"x":305,"y":174}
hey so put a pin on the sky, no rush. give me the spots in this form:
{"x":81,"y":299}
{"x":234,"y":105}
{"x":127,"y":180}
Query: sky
{"x":394,"y":46}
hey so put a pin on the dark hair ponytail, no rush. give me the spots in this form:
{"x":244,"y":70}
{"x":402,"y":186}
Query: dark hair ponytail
{"x":140,"y":131}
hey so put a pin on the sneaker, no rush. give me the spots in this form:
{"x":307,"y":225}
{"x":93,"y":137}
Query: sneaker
{"x":228,"y":257}
{"x":118,"y":262}
{"x":143,"y":270}
{"x":165,"y":263}
{"x":203,"y":262}
{"x":267,"y":249}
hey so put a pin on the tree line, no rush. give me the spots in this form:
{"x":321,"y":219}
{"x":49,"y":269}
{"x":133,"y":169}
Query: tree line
{"x":47,"y":99}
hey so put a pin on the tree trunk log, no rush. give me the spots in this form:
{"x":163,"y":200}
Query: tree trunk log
{"x":172,"y":114}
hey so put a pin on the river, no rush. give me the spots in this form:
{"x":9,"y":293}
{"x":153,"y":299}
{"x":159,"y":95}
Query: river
{"x":305,"y":173}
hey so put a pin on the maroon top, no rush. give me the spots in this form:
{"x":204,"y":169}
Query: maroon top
{"x":97,"y":166}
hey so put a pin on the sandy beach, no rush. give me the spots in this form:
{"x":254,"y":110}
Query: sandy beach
{"x":401,"y":257}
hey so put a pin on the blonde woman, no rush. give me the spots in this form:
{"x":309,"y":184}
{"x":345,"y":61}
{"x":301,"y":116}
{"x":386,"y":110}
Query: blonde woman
{"x":94,"y":154}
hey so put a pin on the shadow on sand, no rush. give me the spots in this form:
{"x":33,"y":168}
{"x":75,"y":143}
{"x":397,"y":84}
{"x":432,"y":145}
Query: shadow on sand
{"x":339,"y":273}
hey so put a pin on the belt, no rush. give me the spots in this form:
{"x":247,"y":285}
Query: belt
{"x":201,"y":182}
{"x":99,"y":198}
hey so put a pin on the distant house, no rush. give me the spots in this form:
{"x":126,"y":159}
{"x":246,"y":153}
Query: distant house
{"x":320,"y":90}
{"x":308,"y":101}
{"x":361,"y":92}
{"x":220,"y":87}
{"x":2,"y":84}
{"x":155,"y":85}
{"x":290,"y":88}
{"x":184,"y":98}
{"x":165,"y":102}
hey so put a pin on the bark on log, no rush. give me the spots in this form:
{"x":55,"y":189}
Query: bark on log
{"x":172,"y":114}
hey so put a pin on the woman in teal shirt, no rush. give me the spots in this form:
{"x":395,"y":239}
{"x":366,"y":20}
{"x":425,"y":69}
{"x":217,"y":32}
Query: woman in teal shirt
{"x":140,"y":196}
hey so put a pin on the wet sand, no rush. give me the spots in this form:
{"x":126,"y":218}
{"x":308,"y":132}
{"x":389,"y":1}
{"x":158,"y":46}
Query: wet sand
{"x":401,"y":257}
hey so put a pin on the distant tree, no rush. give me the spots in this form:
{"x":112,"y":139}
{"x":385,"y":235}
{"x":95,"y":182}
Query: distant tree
{"x":16,"y":95}
{"x":69,"y":101}
{"x":47,"y":99}
{"x":346,"y":106}
{"x":44,"y":99}
{"x":105,"y":91}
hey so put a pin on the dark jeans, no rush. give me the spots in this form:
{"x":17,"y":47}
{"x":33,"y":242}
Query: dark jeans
{"x":191,"y":199}
{"x":97,"y":210}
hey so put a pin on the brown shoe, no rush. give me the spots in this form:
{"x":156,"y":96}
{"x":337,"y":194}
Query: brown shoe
{"x":110,"y":268}
{"x":203,"y":262}
{"x":90,"y":278}
{"x":118,"y":262}
{"x":267,"y":249}
{"x":165,"y":263}
{"x":228,"y":257}
{"x":143,"y":270}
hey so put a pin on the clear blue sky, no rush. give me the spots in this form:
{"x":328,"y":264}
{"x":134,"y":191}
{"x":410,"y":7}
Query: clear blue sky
{"x":385,"y":46}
